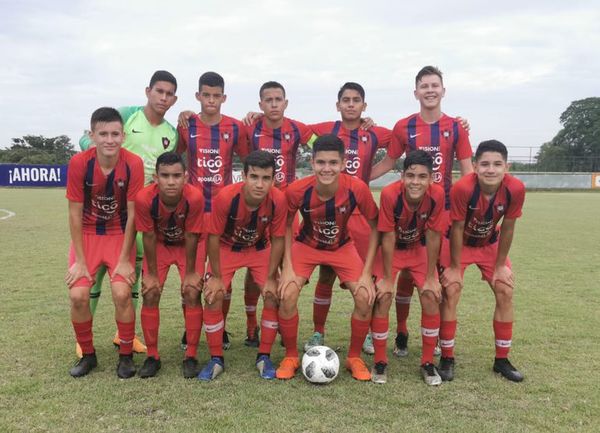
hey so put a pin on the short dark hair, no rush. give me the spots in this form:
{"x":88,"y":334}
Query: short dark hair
{"x":418,"y":157}
{"x":428,"y":70}
{"x":491,"y":146}
{"x":105,"y":114}
{"x":270,"y":85}
{"x":351,"y":86}
{"x":169,"y":158}
{"x":163,"y":76}
{"x":211,"y":79}
{"x":260,"y":159}
{"x":328,"y":142}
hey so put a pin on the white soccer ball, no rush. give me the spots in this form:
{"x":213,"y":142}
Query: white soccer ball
{"x":320,"y":364}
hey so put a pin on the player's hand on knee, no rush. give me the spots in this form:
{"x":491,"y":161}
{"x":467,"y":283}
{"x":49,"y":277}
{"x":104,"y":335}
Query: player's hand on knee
{"x":433,"y":285}
{"x":451,"y":276}
{"x":192,"y":280}
{"x":183,"y":117}
{"x":150,"y":283}
{"x":366,"y":282}
{"x":76,"y":272}
{"x":504,"y":275}
{"x":384,"y":288}
{"x":214,"y":285}
{"x":126,"y":270}
{"x":269,"y":288}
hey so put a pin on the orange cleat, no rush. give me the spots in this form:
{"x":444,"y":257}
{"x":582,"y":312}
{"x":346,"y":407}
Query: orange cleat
{"x":358,"y":368}
{"x":138,"y":346}
{"x":78,"y":351}
{"x":288,"y":367}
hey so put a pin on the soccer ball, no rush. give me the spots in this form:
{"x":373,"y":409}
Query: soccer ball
{"x":320,"y":364}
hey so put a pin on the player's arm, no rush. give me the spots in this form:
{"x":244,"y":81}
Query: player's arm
{"x":79,"y":268}
{"x":252,"y":117}
{"x":382,"y":167}
{"x":465,"y":166}
{"x":433,"y":240}
{"x":451,"y":275}
{"x":214,"y":284}
{"x":182,"y":119}
{"x":366,"y":279}
{"x":288,"y":275}
{"x":150,"y":279}
{"x":191,"y":278}
{"x":124,"y":266}
{"x":502,"y":272}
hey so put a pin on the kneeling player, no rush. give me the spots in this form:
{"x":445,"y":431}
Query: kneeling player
{"x":411,"y":219}
{"x":169,"y":214}
{"x":246,"y":230}
{"x":326,"y":200}
{"x":101,"y":188}
{"x":478,"y":202}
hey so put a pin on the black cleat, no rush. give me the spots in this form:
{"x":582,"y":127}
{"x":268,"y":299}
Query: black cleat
{"x":226,"y":343}
{"x":506,"y":369}
{"x":190,"y":368}
{"x":184,"y":341}
{"x":84,"y":365}
{"x":150,"y":367}
{"x":446,"y":369}
{"x":125,"y":367}
{"x":253,"y":340}
{"x":401,"y":345}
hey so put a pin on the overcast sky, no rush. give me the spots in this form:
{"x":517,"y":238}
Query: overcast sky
{"x":510,"y":67}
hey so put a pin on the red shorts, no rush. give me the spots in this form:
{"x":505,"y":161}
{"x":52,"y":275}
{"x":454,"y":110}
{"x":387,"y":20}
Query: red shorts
{"x":413,"y":260}
{"x":165,"y":257}
{"x":257,"y":263}
{"x":345,"y":261}
{"x":484,"y":257}
{"x":359,"y":233}
{"x":100,"y":250}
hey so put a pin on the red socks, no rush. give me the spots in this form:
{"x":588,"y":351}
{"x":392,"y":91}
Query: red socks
{"x":193,"y":326}
{"x":359,"y":330}
{"x":269,"y":325}
{"x":289,"y":333}
{"x":379,"y":332}
{"x":321,"y":305}
{"x":150,"y":318}
{"x":430,"y":329}
{"x":84,"y":336}
{"x":503,"y":335}
{"x":214,"y":326}
{"x":447,"y":334}
{"x":126,"y":335}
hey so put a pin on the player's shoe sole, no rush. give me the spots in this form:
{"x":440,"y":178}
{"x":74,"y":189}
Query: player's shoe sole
{"x":288,"y":367}
{"x":358,"y":369}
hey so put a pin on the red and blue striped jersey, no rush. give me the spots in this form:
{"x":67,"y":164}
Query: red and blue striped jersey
{"x":104,"y":197}
{"x":361,"y":145}
{"x":444,"y":140}
{"x":325,"y":223}
{"x":410,"y":223}
{"x":210,"y":151}
{"x":169,"y":224}
{"x":481,"y":216}
{"x":283,"y":144}
{"x":241,"y":228}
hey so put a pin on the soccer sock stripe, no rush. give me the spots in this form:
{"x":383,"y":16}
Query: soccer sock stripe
{"x":447,"y":334}
{"x":379,"y":332}
{"x":359,"y":330}
{"x":503,"y":336}
{"x":84,"y":336}
{"x":214,"y":326}
{"x":289,"y":334}
{"x":150,"y":318}
{"x":269,"y":325}
{"x":193,"y":326}
{"x":126,"y":335}
{"x":321,"y":305}
{"x":430,"y":329}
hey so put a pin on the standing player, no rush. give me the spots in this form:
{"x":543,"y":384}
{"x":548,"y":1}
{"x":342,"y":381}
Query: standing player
{"x":246,"y":230}
{"x":148,"y":135}
{"x":210,"y":139}
{"x":411,"y":219}
{"x":326,"y":200}
{"x":169,"y":216}
{"x":444,"y":138}
{"x":479,"y":201}
{"x":101,"y":188}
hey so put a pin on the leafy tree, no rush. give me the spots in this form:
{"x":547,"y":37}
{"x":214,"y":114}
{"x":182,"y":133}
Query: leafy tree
{"x":576,"y":147}
{"x":37,"y":149}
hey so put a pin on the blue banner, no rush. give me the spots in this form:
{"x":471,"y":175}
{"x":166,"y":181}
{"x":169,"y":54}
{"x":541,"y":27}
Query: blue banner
{"x":33,"y":175}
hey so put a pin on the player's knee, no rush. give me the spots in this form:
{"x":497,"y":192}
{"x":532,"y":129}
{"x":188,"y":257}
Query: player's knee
{"x":428,"y":303}
{"x":152,"y":298}
{"x":191,"y":296}
{"x":503,"y":293}
{"x":79,"y":297}
{"x":383,"y":305}
{"x":452,"y":293}
{"x":122,"y":296}
{"x":270,"y":300}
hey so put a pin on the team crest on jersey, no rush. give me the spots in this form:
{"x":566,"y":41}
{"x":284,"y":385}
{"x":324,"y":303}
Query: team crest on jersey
{"x":225,"y":136}
{"x":166,"y":142}
{"x":181,"y":216}
{"x":264,"y":219}
{"x":364,"y":138}
{"x":287,"y":136}
{"x":423,"y":215}
{"x":446,"y":134}
{"x":120,"y":183}
{"x":500,"y":208}
{"x":342,"y":209}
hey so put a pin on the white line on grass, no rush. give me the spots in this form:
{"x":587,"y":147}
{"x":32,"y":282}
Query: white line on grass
{"x":8,"y":214}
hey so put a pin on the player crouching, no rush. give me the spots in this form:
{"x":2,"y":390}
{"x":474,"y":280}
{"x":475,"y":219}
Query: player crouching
{"x":326,"y":200}
{"x":411,"y":220}
{"x":478,"y":202}
{"x":246,"y":230}
{"x":169,"y":214}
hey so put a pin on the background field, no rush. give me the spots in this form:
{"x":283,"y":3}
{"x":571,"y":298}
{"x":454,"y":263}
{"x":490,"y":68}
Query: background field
{"x":556,"y":257}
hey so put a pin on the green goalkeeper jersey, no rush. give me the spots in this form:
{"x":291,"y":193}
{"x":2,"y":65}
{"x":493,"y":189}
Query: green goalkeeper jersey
{"x":143,"y":139}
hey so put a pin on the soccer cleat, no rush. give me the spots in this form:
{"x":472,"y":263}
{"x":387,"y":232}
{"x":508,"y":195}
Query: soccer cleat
{"x":446,"y":369}
{"x":150,"y":367}
{"x":430,"y":374}
{"x":368,"y":347}
{"x":379,"y":373}
{"x":138,"y":346}
{"x":252,"y":338}
{"x":437,"y":351}
{"x":507,"y":370}
{"x":190,"y":368}
{"x":125,"y":367}
{"x":401,"y":345}
{"x":84,"y":365}
{"x":358,"y":368}
{"x":226,"y":343}
{"x":265,"y":367}
{"x":211,"y":370}
{"x":317,"y":339}
{"x":184,"y":341}
{"x":78,"y":350}
{"x":288,"y":367}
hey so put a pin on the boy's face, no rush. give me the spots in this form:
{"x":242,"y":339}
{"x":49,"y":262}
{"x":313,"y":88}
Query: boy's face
{"x":161,"y":96}
{"x":107,"y":137}
{"x":417,"y":179}
{"x":430,"y":91}
{"x":273,"y":104}
{"x":257,"y":182}
{"x":327,"y":166}
{"x":351,"y":105}
{"x":210,"y":99}
{"x":170,"y":180}
{"x":490,"y":169}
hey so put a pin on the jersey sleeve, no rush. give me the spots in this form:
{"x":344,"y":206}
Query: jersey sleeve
{"x":364,"y":199}
{"x":517,"y":191}
{"x":143,"y":219}
{"x":437,"y":221}
{"x":195,"y":216}
{"x":75,"y":180}
{"x":459,"y":200}
{"x":306,"y":133}
{"x":385,"y":222}
{"x":398,"y":142}
{"x":278,"y":225}
{"x":292,"y":199}
{"x":136,"y":183}
{"x":463,"y":145}
{"x":384,"y":137}
{"x":242,"y":148}
{"x":182,"y":142}
{"x":127,"y":112}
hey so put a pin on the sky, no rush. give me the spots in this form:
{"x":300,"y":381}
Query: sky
{"x":511,"y":68}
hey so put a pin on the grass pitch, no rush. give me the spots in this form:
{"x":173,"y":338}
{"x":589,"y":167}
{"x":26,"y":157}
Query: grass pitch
{"x":556,"y":254}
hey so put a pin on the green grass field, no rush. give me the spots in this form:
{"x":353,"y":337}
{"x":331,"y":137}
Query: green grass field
{"x":556,"y":256}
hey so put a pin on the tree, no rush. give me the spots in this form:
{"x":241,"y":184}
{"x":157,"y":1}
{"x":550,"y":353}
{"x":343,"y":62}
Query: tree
{"x":576,"y":147}
{"x":37,"y":149}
